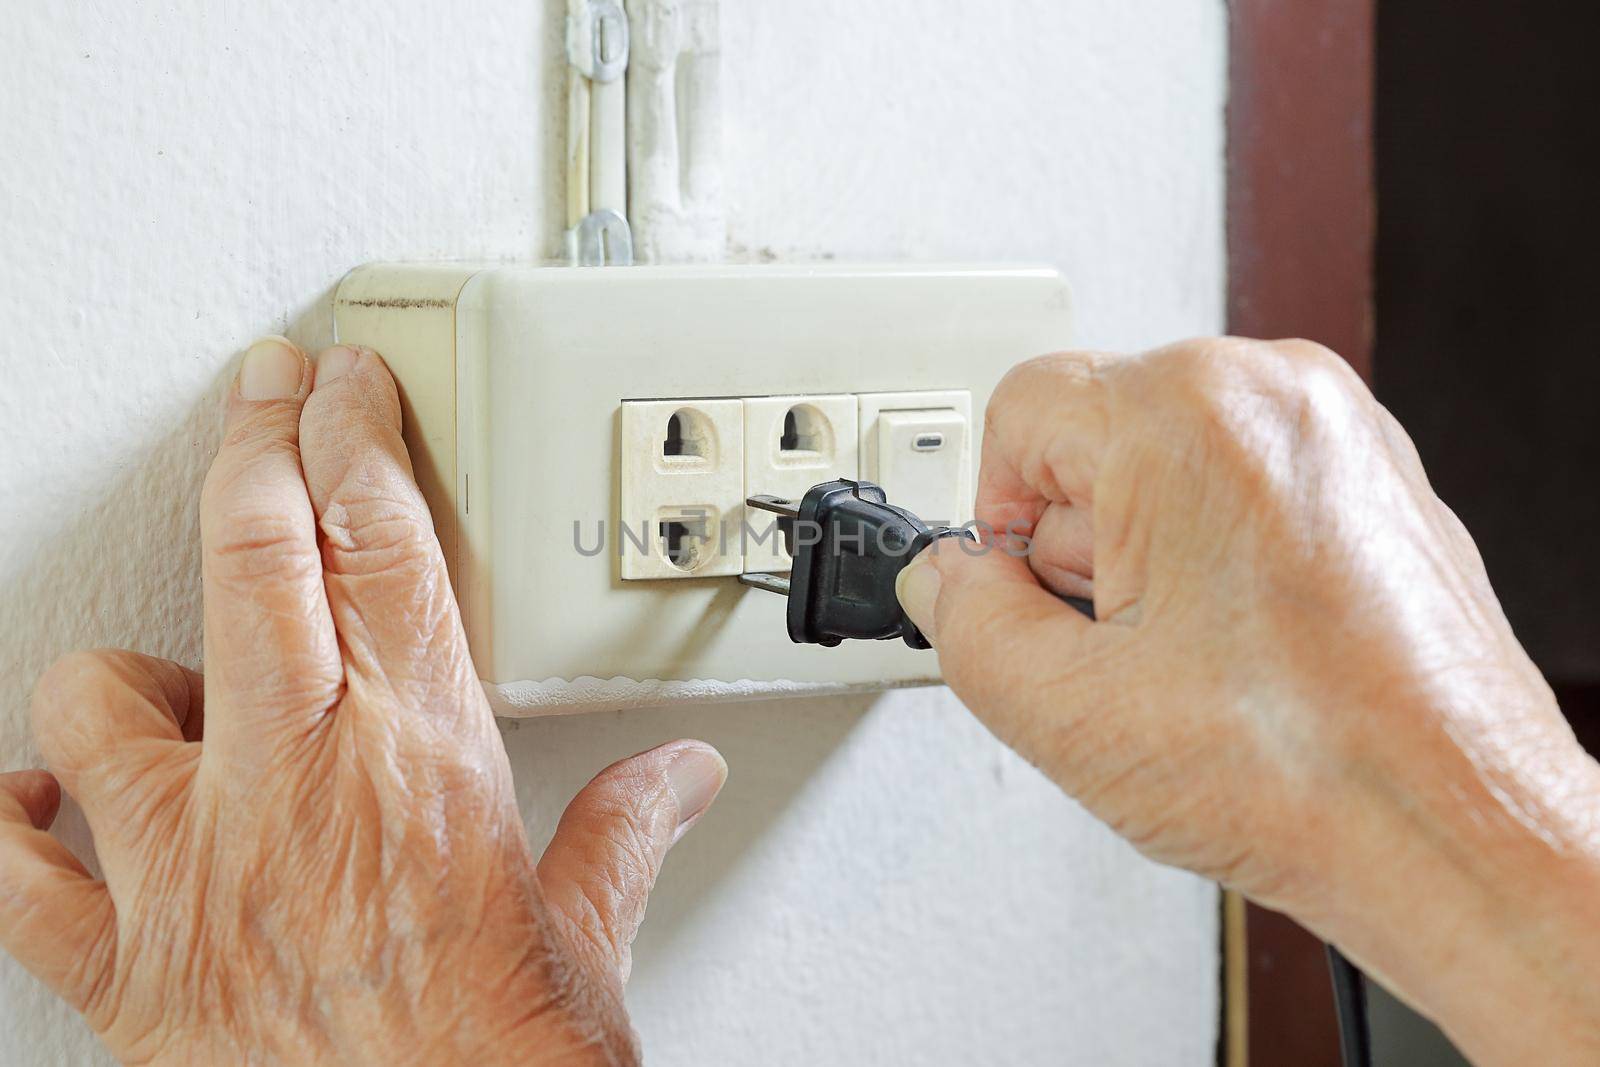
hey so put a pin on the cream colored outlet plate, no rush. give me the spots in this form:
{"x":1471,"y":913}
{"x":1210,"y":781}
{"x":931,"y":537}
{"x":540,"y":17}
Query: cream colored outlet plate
{"x":513,"y":381}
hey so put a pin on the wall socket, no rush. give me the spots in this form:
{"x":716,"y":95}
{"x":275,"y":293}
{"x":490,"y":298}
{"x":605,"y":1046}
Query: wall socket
{"x":684,"y":480}
{"x":532,"y":395}
{"x":682,"y":486}
{"x":687,"y":466}
{"x":791,"y":444}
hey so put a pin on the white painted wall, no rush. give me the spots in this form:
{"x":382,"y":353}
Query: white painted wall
{"x":881,"y":882}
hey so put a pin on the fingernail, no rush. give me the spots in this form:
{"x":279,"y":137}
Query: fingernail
{"x":917,"y":588}
{"x":336,"y":362}
{"x":272,"y":370}
{"x":696,"y":775}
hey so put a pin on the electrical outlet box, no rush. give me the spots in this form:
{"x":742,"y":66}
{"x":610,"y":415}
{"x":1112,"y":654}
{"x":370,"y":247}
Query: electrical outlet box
{"x":565,"y":422}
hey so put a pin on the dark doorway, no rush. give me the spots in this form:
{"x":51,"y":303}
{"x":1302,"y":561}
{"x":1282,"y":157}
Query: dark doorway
{"x":1469,"y":314}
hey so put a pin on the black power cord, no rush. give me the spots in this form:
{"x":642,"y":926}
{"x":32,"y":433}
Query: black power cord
{"x":849,"y":543}
{"x":1350,"y":1003}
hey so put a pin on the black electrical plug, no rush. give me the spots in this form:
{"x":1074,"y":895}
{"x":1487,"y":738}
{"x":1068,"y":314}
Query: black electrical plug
{"x":849,"y":544}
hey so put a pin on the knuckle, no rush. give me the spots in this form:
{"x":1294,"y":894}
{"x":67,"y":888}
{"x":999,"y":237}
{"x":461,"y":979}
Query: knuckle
{"x":1046,"y":371}
{"x":254,"y":526}
{"x":631,"y":812}
{"x":261,"y":431}
{"x":252,"y":542}
{"x":374,"y":525}
{"x":627,"y":822}
{"x":71,"y":698}
{"x":1055,"y":377}
{"x":361,"y":401}
{"x":1240,"y":388}
{"x":1305,"y":354}
{"x":234,"y":473}
{"x":1201,"y":370}
{"x":638,"y":865}
{"x":79,"y":674}
{"x":1029,"y":370}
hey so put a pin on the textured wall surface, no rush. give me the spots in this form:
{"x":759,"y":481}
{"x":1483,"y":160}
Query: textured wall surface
{"x":881,"y":882}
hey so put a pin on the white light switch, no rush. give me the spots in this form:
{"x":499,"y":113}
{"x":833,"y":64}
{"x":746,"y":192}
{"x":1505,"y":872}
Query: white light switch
{"x":922,"y":457}
{"x":918,"y":446}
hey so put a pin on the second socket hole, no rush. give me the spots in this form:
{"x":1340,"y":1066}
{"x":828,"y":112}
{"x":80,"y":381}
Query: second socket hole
{"x":804,"y":430}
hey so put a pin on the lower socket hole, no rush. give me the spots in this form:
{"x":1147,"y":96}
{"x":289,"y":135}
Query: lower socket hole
{"x":680,"y":543}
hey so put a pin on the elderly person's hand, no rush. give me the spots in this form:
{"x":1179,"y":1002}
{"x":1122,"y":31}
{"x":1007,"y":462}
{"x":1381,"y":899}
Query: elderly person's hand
{"x":1301,"y":683}
{"x":317,"y":856}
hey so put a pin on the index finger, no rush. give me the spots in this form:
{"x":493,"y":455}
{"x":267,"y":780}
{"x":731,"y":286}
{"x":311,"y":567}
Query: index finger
{"x":1044,"y":429}
{"x":1044,"y":432}
{"x":385,"y":575}
{"x":270,"y":649}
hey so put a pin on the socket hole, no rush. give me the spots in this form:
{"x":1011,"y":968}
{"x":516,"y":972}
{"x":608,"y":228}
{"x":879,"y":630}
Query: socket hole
{"x":804,"y":430}
{"x":680,"y":543}
{"x":688,"y":434}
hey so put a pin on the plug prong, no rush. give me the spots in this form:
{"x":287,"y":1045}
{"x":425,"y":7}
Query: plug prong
{"x":772,"y":583}
{"x":789,"y":509}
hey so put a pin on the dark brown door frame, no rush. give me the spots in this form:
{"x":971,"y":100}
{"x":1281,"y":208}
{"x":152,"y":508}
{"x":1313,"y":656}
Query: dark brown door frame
{"x":1301,"y":227}
{"x":1301,"y":207}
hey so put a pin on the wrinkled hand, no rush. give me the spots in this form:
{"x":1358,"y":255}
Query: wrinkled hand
{"x":316,"y":856}
{"x":1301,"y":683}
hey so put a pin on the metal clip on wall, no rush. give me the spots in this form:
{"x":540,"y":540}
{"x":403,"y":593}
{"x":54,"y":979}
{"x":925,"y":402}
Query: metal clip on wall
{"x":597,"y":188}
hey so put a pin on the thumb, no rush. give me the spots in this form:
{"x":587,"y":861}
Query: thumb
{"x":1009,"y":647}
{"x":57,"y":921}
{"x":601,"y":864}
